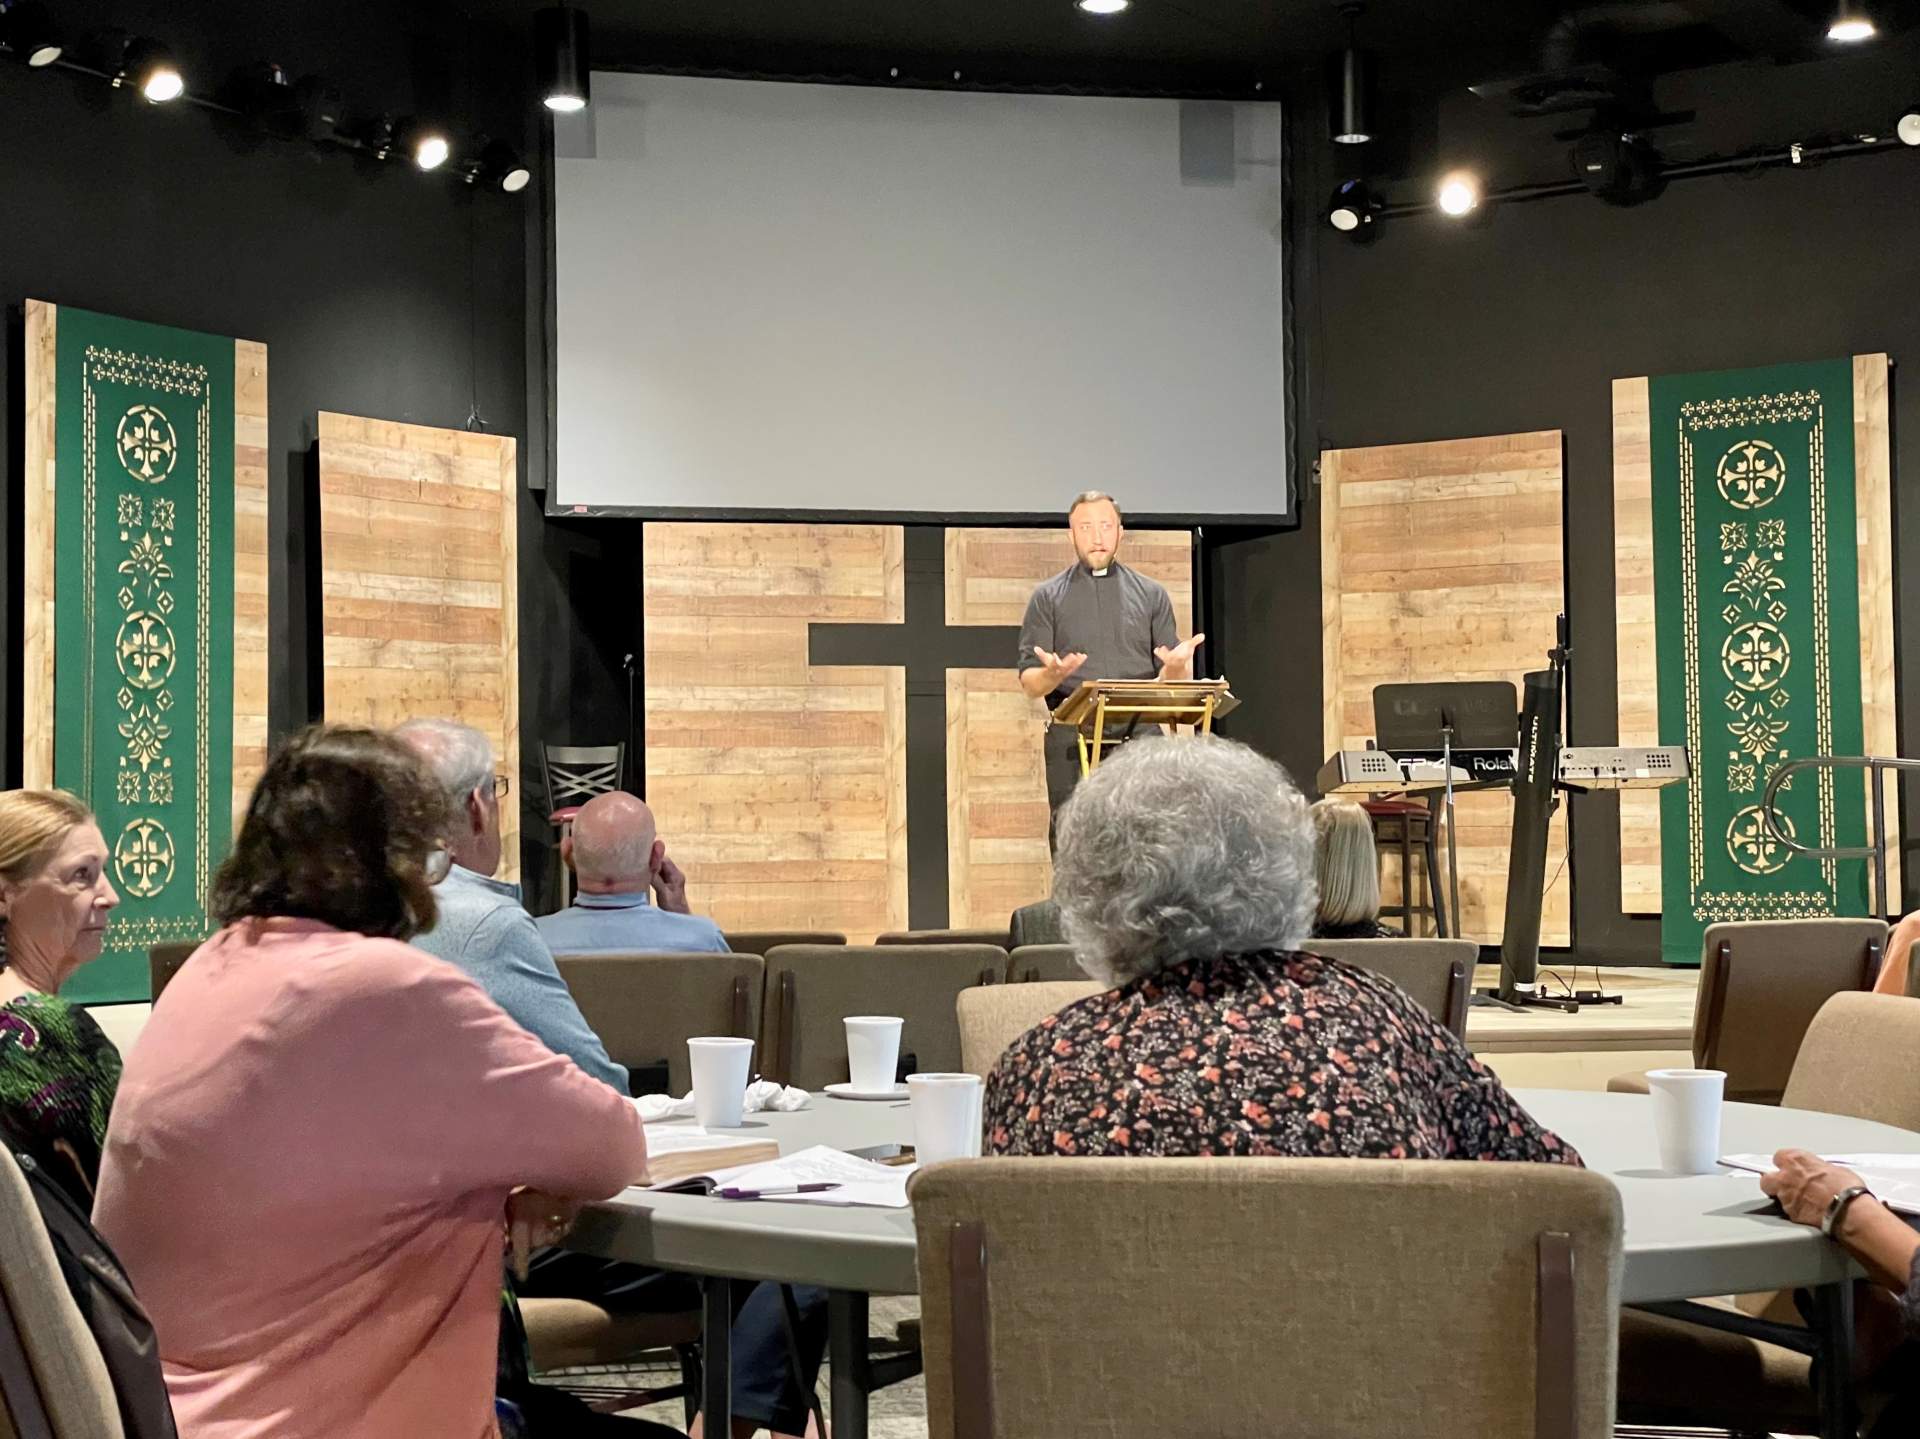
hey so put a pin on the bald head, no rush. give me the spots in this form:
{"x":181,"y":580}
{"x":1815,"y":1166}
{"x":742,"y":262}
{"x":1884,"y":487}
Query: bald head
{"x":613,"y":845}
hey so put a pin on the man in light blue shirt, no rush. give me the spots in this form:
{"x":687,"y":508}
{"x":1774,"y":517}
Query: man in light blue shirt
{"x":482,"y":928}
{"x":631,"y":896}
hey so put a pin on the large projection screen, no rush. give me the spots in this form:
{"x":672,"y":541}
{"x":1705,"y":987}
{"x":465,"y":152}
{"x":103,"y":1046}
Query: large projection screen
{"x":788,"y":299}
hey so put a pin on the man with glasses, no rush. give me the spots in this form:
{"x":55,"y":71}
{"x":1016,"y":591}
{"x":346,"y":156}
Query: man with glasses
{"x":1096,"y":619}
{"x":483,"y":928}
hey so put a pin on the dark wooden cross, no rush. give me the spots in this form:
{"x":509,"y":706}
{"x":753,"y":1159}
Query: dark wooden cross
{"x":928,"y":647}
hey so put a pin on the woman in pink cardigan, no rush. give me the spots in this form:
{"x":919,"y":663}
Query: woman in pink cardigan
{"x":309,"y":1161}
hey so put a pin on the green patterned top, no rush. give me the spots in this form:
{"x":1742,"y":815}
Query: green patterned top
{"x":58,"y":1074}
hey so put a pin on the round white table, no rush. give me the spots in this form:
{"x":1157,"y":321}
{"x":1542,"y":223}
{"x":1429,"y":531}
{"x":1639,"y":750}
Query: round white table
{"x":1686,"y":1237}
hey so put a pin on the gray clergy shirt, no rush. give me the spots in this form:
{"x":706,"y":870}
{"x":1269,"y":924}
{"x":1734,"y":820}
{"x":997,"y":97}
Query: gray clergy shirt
{"x":1116,"y":620}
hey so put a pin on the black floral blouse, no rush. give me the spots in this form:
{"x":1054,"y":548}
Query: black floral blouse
{"x":1262,"y":1054}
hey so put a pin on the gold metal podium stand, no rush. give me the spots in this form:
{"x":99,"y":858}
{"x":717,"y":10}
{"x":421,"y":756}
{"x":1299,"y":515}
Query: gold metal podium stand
{"x":1090,"y":709}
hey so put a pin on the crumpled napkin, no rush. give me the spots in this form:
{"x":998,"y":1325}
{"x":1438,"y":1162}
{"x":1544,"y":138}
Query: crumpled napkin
{"x":761,"y":1094}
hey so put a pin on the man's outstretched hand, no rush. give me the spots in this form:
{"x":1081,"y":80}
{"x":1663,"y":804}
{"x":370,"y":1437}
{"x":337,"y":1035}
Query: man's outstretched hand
{"x":1176,"y":661}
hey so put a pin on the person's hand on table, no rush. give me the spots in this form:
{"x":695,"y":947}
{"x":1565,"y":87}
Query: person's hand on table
{"x":670,"y":887}
{"x":1804,"y":1184}
{"x":536,"y":1219}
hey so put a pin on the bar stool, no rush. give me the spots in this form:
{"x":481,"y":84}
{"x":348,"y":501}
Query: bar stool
{"x":573,"y":775}
{"x":1399,"y":828}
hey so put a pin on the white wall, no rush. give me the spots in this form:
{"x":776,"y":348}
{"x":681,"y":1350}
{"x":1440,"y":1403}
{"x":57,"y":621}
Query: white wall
{"x":776,"y":297}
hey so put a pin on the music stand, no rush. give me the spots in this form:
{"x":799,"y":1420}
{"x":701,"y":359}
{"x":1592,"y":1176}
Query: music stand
{"x":1439,"y":718}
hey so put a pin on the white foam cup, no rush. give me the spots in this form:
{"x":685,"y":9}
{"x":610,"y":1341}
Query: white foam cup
{"x":946,"y":1115}
{"x":873,"y":1051}
{"x":720,"y":1070}
{"x":1686,"y":1118}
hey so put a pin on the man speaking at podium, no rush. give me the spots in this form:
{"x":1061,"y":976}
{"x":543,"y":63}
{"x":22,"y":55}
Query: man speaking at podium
{"x":1096,"y":619}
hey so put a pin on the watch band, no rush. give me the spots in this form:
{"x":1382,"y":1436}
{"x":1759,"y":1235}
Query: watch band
{"x":1837,"y":1208}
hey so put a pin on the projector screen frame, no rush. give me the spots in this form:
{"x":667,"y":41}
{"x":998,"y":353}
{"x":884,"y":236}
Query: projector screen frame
{"x":543,"y":308}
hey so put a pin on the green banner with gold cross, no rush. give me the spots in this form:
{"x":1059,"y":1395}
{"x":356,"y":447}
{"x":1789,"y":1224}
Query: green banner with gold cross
{"x":1758,"y":628}
{"x":143,"y":589}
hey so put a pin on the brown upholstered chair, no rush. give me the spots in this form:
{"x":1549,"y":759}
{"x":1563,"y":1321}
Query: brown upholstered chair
{"x":997,"y":937}
{"x":1761,"y":983}
{"x":163,"y":963}
{"x":1037,"y":923}
{"x":759,"y":941}
{"x":1083,"y":1297}
{"x":812,"y":988}
{"x":646,"y":1006}
{"x":1438,"y":973}
{"x":1045,"y":962}
{"x":992,"y":1017}
{"x":1857,"y":1060}
{"x":578,"y":1334}
{"x":53,"y":1381}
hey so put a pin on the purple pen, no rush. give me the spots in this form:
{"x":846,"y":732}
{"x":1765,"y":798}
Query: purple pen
{"x":772,"y":1193}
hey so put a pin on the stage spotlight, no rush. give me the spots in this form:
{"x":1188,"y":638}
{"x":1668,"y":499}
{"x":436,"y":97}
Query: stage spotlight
{"x":1620,"y":169}
{"x":149,"y":67}
{"x":1102,"y":7}
{"x":1350,"y":91}
{"x":1908,"y":126}
{"x":1851,"y":24}
{"x":1354,"y":211}
{"x":26,"y":30}
{"x":316,"y":108}
{"x":426,"y":143}
{"x":498,"y":167}
{"x":560,"y":45}
{"x":1459,"y":194}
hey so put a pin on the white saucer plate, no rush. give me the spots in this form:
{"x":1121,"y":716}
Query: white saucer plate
{"x":845,"y":1090}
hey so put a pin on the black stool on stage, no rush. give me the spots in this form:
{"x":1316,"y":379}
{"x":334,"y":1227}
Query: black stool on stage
{"x":1400,"y":827}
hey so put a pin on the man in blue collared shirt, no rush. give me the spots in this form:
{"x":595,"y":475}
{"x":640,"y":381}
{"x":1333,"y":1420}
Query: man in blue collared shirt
{"x":631,"y":896}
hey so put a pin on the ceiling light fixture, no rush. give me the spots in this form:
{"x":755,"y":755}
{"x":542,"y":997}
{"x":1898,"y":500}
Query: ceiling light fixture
{"x":1908,"y":126}
{"x":560,"y":44}
{"x":1102,"y":7}
{"x":1851,"y":24}
{"x":1459,"y":194}
{"x":1620,"y":169}
{"x":149,"y":67}
{"x":1350,"y":87}
{"x":498,"y":167}
{"x":426,"y":143}
{"x":1355,"y":210}
{"x":26,"y":30}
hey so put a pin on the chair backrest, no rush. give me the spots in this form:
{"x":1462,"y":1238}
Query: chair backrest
{"x":1036,"y":924}
{"x":759,"y":941}
{"x":1762,"y":982}
{"x":1043,"y":962}
{"x":646,"y":1006}
{"x":1343,"y":1298}
{"x":996,"y":937}
{"x":1858,"y":1059}
{"x":993,"y":1016}
{"x":575,"y":773}
{"x":1438,"y":973}
{"x":812,"y":988}
{"x":53,"y":1381}
{"x":164,"y":961}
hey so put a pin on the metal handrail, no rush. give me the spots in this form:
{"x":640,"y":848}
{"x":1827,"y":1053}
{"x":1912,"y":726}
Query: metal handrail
{"x":1876,"y":766}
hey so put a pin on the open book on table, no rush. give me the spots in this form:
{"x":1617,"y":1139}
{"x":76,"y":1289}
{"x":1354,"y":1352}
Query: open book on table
{"x":831,"y":1176}
{"x":679,"y":1152}
{"x":1893,"y":1178}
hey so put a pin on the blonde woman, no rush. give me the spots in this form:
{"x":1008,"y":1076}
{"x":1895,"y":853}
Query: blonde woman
{"x":58,"y":1072}
{"x":1347,"y":872}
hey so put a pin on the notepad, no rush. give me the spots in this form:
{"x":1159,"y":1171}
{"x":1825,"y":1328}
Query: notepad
{"x":856,"y":1182}
{"x":1893,"y":1178}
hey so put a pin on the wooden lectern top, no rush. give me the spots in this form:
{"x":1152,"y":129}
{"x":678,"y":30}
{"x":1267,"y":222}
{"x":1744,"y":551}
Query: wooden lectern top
{"x":1152,"y":701}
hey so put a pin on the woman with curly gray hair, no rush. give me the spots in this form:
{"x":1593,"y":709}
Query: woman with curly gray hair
{"x":1185,"y":881}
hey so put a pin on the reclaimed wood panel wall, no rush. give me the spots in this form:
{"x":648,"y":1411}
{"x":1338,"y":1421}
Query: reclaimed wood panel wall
{"x":779,"y":786}
{"x":1443,"y":561}
{"x":418,"y":578}
{"x":1634,"y":614}
{"x":997,"y":857}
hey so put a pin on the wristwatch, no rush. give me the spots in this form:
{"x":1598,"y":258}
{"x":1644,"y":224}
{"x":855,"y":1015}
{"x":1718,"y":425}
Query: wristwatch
{"x":1837,"y":1207}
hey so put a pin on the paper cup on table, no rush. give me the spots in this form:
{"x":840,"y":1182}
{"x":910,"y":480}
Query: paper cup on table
{"x":946,"y":1115}
{"x":873,"y":1051}
{"x":720,"y":1067}
{"x":1686,"y":1118}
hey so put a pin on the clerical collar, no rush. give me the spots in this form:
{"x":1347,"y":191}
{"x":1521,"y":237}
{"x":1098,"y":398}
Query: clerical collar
{"x":1101,"y":573}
